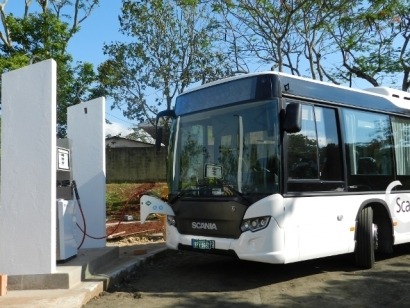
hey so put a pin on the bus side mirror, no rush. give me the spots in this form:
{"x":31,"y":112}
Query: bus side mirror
{"x":158,"y":138}
{"x":292,"y":122}
{"x":159,"y":130}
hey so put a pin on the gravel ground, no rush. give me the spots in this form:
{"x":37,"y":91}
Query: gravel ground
{"x":185,"y":279}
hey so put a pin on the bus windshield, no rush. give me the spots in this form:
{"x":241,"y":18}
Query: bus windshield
{"x":226,"y":151}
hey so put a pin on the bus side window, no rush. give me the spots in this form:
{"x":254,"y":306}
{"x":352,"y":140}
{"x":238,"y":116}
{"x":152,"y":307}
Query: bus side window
{"x":329,"y":145}
{"x":367,"y":165}
{"x":303,"y":148}
{"x":401,"y":136}
{"x":368,"y":142}
{"x":314,"y":153}
{"x":369,"y":149}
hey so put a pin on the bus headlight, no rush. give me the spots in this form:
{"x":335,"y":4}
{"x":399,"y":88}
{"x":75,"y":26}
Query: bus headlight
{"x":255,"y":224}
{"x":171,"y":220}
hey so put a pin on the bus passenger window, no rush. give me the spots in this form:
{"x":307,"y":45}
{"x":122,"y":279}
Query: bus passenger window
{"x":367,"y":165}
{"x":401,"y":136}
{"x":368,"y":143}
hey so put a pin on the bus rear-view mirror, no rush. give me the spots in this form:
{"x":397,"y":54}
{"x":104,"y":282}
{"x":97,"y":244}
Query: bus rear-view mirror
{"x":169,"y":113}
{"x":293,"y":118}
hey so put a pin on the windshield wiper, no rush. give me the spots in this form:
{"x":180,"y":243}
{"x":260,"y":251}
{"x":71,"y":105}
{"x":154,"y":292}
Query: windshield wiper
{"x":228,"y":189}
{"x":181,"y":193}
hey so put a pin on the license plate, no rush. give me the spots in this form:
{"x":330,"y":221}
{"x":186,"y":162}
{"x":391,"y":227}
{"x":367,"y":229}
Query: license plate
{"x":203,"y":244}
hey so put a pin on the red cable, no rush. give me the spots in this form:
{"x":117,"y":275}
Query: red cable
{"x":85,"y":226}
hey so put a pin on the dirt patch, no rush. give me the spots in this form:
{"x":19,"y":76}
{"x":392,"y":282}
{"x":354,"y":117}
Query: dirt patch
{"x":123,"y":229}
{"x":123,"y":212}
{"x":124,"y":199}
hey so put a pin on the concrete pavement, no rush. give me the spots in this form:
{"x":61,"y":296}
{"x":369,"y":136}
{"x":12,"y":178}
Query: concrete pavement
{"x":79,"y":280}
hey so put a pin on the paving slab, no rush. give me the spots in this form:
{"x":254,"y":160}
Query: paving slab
{"x":99,"y":271}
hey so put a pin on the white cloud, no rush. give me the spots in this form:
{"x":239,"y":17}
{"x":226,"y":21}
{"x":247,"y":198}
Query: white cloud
{"x":115,"y":129}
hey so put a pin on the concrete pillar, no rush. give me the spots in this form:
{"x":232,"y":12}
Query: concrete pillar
{"x":28,"y":170}
{"x":85,"y":129}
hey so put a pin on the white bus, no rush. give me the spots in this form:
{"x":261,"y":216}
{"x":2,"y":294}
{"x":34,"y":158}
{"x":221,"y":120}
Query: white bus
{"x":275,"y":168}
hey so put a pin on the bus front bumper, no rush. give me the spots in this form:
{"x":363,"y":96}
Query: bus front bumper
{"x":266,"y":245}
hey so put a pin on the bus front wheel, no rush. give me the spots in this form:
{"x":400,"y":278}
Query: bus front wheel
{"x":366,"y":239}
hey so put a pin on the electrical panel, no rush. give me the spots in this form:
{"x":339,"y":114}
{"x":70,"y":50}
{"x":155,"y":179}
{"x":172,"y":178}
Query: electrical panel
{"x":64,"y":174}
{"x":66,"y":244}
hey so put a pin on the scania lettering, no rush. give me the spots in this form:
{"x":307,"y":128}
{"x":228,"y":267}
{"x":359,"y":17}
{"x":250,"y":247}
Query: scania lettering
{"x":275,"y":168}
{"x":204,"y":225}
{"x":402,"y":206}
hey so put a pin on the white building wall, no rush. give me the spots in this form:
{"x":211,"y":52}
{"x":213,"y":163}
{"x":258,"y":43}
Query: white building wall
{"x":28,"y":170}
{"x":85,"y":129}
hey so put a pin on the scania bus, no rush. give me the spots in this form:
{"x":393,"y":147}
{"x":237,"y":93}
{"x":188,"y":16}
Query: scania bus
{"x":276,"y":168}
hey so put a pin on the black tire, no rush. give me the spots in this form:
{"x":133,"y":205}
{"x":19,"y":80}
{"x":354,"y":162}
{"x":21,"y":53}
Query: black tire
{"x":365,"y":246}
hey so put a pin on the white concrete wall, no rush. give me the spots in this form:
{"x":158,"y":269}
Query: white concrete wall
{"x":85,"y":128}
{"x":28,"y":170}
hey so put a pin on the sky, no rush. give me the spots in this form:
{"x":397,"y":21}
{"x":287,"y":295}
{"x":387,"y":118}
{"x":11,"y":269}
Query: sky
{"x":100,"y":27}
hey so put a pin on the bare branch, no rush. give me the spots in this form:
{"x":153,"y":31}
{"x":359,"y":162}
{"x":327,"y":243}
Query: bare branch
{"x":359,"y":72}
{"x":26,"y":7}
{"x":5,"y":38}
{"x":43,"y":4}
{"x":77,"y":20}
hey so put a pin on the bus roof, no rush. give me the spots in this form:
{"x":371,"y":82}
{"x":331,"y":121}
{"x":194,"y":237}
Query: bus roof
{"x":378,"y":98}
{"x":400,"y":98}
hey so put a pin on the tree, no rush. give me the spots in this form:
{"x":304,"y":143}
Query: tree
{"x":170,"y":45}
{"x":327,"y":40}
{"x":286,"y":35}
{"x":266,"y":31}
{"x":309,"y":23}
{"x":43,"y":35}
{"x":373,"y":40}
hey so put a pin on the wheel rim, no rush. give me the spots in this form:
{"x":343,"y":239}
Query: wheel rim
{"x":375,"y":236}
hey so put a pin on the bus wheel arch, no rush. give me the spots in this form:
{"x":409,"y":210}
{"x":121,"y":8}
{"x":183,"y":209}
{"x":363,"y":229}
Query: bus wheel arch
{"x":374,"y":232}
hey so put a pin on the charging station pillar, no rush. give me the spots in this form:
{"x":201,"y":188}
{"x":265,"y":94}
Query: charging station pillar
{"x":86,"y":130}
{"x":28,"y":170}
